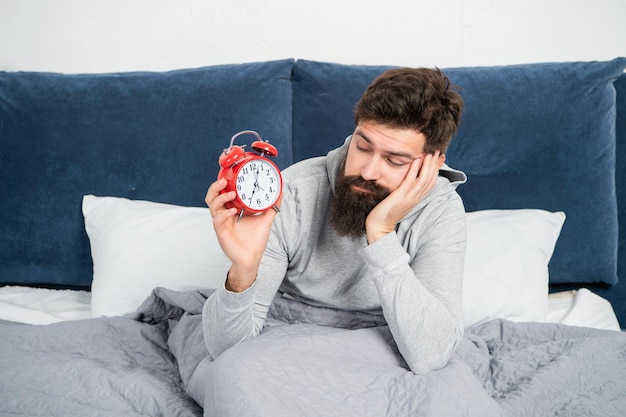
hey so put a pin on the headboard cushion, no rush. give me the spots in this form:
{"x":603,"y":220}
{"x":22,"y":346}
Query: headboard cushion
{"x":617,"y":298}
{"x":139,"y":135}
{"x":532,"y":136}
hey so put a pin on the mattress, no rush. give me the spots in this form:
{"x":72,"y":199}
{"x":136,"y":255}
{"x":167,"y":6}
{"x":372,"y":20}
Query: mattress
{"x":43,"y":306}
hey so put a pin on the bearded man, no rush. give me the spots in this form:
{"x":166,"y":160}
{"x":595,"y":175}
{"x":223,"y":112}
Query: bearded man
{"x":375,"y":226}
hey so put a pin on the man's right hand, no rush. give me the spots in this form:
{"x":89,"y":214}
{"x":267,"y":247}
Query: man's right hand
{"x":242,"y":241}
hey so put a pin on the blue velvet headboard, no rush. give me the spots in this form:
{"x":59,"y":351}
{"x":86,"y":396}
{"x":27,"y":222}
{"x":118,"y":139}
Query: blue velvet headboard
{"x":141,"y":135}
{"x":532,"y":136}
{"x":617,"y":294}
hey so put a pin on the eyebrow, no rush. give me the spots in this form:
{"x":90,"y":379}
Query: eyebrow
{"x":391,"y":153}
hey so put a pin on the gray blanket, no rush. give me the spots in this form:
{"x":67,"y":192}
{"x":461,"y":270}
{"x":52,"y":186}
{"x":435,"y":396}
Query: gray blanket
{"x":307,"y":362}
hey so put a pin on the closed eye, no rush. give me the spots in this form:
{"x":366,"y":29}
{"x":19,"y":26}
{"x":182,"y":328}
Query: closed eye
{"x":396,"y":163}
{"x":391,"y":159}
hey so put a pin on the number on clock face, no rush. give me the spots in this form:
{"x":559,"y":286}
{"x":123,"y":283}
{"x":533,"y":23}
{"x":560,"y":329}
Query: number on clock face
{"x":258,"y":184}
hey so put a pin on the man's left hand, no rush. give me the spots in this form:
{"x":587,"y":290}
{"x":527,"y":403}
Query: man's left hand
{"x":419,"y":180}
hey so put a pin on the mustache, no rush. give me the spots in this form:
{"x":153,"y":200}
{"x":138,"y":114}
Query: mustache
{"x":350,"y":180}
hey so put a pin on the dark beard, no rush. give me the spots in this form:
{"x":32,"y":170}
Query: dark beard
{"x":350,"y":207}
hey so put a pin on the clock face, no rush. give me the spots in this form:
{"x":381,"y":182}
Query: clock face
{"x":258,"y":184}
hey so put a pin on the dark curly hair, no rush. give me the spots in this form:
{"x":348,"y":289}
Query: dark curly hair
{"x":422,"y":99}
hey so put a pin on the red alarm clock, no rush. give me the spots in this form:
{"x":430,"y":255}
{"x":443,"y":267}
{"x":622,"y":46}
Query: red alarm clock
{"x":256,"y":180}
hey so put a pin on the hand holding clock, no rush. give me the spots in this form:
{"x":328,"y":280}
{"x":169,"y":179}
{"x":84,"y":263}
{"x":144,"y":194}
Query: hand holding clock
{"x":243,"y":202}
{"x":243,"y":239}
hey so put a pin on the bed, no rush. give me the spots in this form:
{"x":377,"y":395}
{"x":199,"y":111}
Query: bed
{"x":107,"y":254}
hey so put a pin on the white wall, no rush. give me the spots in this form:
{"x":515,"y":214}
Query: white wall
{"x":122,"y":35}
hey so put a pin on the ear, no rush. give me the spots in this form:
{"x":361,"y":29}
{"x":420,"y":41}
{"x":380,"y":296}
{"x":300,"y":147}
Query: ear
{"x":442,"y":160}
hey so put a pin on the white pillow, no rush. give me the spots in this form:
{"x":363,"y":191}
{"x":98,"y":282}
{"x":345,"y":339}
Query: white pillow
{"x":139,"y":245}
{"x":506,"y":264}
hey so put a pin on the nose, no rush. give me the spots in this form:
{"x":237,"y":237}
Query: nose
{"x":371,"y":171}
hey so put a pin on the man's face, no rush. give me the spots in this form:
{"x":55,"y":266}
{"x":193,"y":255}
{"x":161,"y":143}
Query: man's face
{"x":378,"y":160}
{"x":382,"y":154}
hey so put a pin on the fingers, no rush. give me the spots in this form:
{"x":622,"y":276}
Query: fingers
{"x":216,"y":202}
{"x":429,"y":171}
{"x":421,"y":177}
{"x":214,"y":191}
{"x":415,"y":167}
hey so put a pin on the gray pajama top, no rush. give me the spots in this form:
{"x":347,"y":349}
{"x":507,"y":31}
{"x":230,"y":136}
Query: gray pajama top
{"x":413,"y":277}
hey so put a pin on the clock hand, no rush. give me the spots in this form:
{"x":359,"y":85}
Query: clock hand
{"x":255,"y":185}
{"x":252,"y":195}
{"x":256,"y":180}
